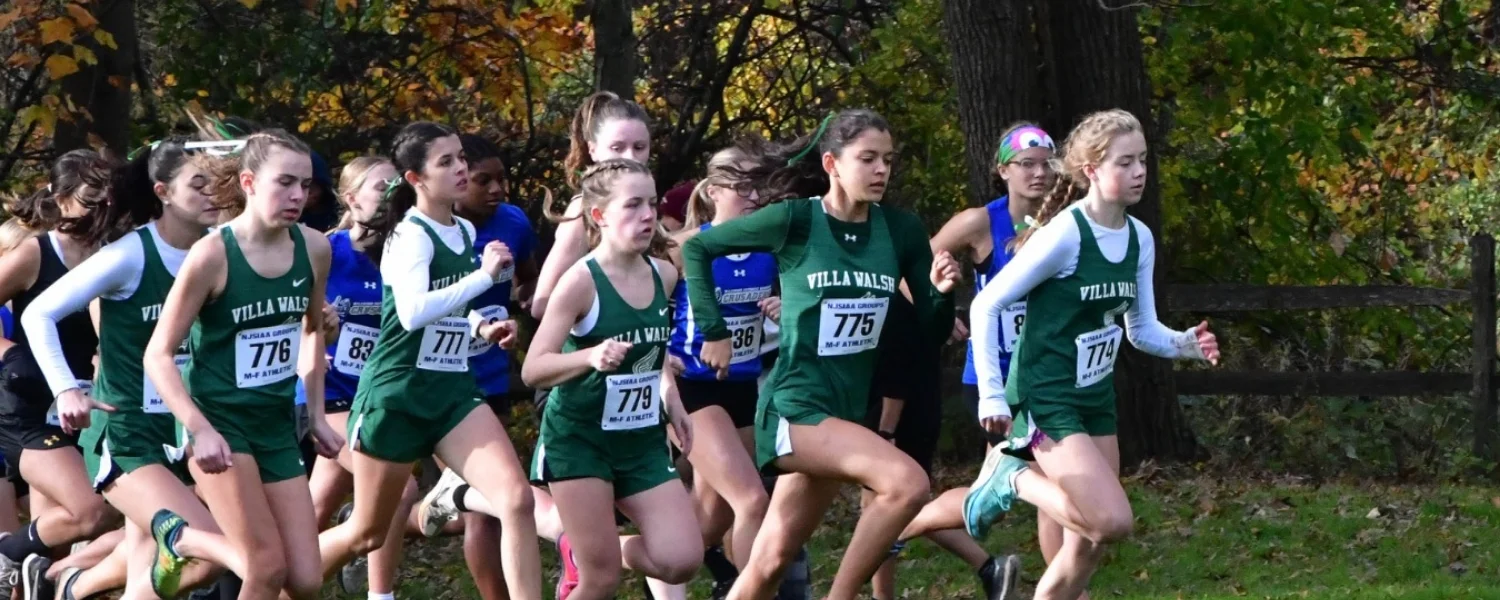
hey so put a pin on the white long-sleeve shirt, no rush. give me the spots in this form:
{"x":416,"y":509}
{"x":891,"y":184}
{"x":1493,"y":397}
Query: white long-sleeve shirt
{"x":114,"y":273}
{"x":404,"y":267}
{"x":1052,"y":251}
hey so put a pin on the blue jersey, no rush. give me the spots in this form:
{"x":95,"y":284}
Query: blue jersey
{"x":5,"y":320}
{"x":354,"y":291}
{"x":1002,"y":231}
{"x":743,"y":281}
{"x":509,"y":225}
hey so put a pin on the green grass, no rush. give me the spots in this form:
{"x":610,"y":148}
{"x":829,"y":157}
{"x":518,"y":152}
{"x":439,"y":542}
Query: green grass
{"x":1195,"y":537}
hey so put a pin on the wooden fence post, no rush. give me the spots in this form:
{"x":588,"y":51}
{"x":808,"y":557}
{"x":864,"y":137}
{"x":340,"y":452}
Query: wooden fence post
{"x":1482,"y":260}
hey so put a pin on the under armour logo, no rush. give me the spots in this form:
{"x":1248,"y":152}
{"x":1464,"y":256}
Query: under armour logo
{"x":370,"y":285}
{"x":850,"y":238}
{"x":739,"y":272}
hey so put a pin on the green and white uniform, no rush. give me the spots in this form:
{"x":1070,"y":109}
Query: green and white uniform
{"x":243,"y":370}
{"x":1078,"y":278}
{"x":837,"y":280}
{"x":416,"y":386}
{"x":611,"y":426}
{"x":130,"y":278}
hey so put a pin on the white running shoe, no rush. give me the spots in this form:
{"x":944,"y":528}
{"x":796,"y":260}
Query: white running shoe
{"x":437,"y":508}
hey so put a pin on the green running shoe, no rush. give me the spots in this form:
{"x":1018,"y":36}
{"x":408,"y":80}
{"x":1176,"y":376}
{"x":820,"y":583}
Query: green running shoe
{"x":166,"y":571}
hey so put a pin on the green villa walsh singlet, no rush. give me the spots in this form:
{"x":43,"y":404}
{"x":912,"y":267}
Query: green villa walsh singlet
{"x":244,"y":346}
{"x":416,"y":385}
{"x":837,"y":281}
{"x":141,"y":431}
{"x":1062,"y":377}
{"x":612,"y":426}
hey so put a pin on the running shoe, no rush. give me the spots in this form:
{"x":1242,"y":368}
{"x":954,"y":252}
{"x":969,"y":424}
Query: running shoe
{"x":34,"y":582}
{"x":437,"y":508}
{"x":10,"y":572}
{"x":992,"y":493}
{"x":354,"y":577}
{"x":65,"y":583}
{"x":999,"y":577}
{"x":166,"y":570}
{"x":568,"y":581}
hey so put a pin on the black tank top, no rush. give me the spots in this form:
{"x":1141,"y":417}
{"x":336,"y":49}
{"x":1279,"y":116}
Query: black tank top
{"x":75,"y":331}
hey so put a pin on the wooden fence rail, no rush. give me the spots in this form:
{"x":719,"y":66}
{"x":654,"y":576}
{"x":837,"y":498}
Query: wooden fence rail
{"x":1479,"y":382}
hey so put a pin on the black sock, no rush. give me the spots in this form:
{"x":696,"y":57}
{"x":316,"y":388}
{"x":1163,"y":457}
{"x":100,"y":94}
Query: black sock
{"x":17,"y":546}
{"x":458,"y":497}
{"x":229,"y":586}
{"x":719,"y":565}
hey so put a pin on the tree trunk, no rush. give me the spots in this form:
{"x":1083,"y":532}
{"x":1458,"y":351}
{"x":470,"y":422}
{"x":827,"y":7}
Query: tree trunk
{"x":614,"y":47}
{"x":1102,"y":67}
{"x":995,"y":71}
{"x":103,"y":89}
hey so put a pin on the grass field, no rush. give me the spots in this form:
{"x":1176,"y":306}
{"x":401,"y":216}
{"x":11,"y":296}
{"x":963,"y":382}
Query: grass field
{"x":1195,"y":537}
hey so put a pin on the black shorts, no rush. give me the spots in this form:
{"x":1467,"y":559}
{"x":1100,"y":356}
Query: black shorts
{"x":736,"y":398}
{"x":971,"y":402}
{"x":24,"y":401}
{"x":18,"y":436}
{"x":334,"y":406}
{"x":913,"y":380}
{"x":501,"y":404}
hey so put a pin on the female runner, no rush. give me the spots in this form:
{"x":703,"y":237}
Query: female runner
{"x":1078,"y":273}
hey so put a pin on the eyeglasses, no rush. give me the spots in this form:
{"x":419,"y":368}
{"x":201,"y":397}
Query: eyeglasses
{"x":1032,"y":165}
{"x":743,"y":188}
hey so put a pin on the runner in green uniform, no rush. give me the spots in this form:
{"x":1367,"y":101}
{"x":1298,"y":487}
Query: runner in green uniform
{"x":840,"y":258}
{"x":416,"y":396}
{"x":353,"y":295}
{"x":129,"y":441}
{"x":252,"y":295}
{"x":601,"y":346}
{"x":1078,"y":272}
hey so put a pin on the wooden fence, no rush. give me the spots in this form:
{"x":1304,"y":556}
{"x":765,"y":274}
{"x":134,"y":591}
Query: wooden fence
{"x":1479,"y":382}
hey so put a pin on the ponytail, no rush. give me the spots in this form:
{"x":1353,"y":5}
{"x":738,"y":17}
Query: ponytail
{"x":599,"y":108}
{"x":699,"y":209}
{"x":408,"y":154}
{"x":81,"y":176}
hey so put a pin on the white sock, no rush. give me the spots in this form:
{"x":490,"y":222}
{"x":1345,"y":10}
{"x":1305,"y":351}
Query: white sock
{"x":1014,"y":476}
{"x":375,"y":596}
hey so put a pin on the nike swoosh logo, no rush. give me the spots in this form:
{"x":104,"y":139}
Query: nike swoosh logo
{"x":663,"y":312}
{"x":298,"y":282}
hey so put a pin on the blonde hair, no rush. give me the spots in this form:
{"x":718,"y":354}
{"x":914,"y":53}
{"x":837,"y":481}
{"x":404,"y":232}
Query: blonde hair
{"x":1086,"y":146}
{"x":352,"y":177}
{"x":721,"y":170}
{"x":13,"y":233}
{"x":594,"y":191}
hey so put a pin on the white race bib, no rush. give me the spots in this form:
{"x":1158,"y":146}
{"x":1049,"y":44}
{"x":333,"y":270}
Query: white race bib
{"x":266,"y":355}
{"x":151,"y":402}
{"x":1011,"y":319}
{"x":631,"y":401}
{"x":850,"y":325}
{"x":1096,"y":354}
{"x":478,"y":345}
{"x":356,"y":342}
{"x":53,"y":419}
{"x":445,"y":346}
{"x":744,"y":338}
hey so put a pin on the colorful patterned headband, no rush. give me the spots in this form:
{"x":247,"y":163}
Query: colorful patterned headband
{"x":1020,"y":140}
